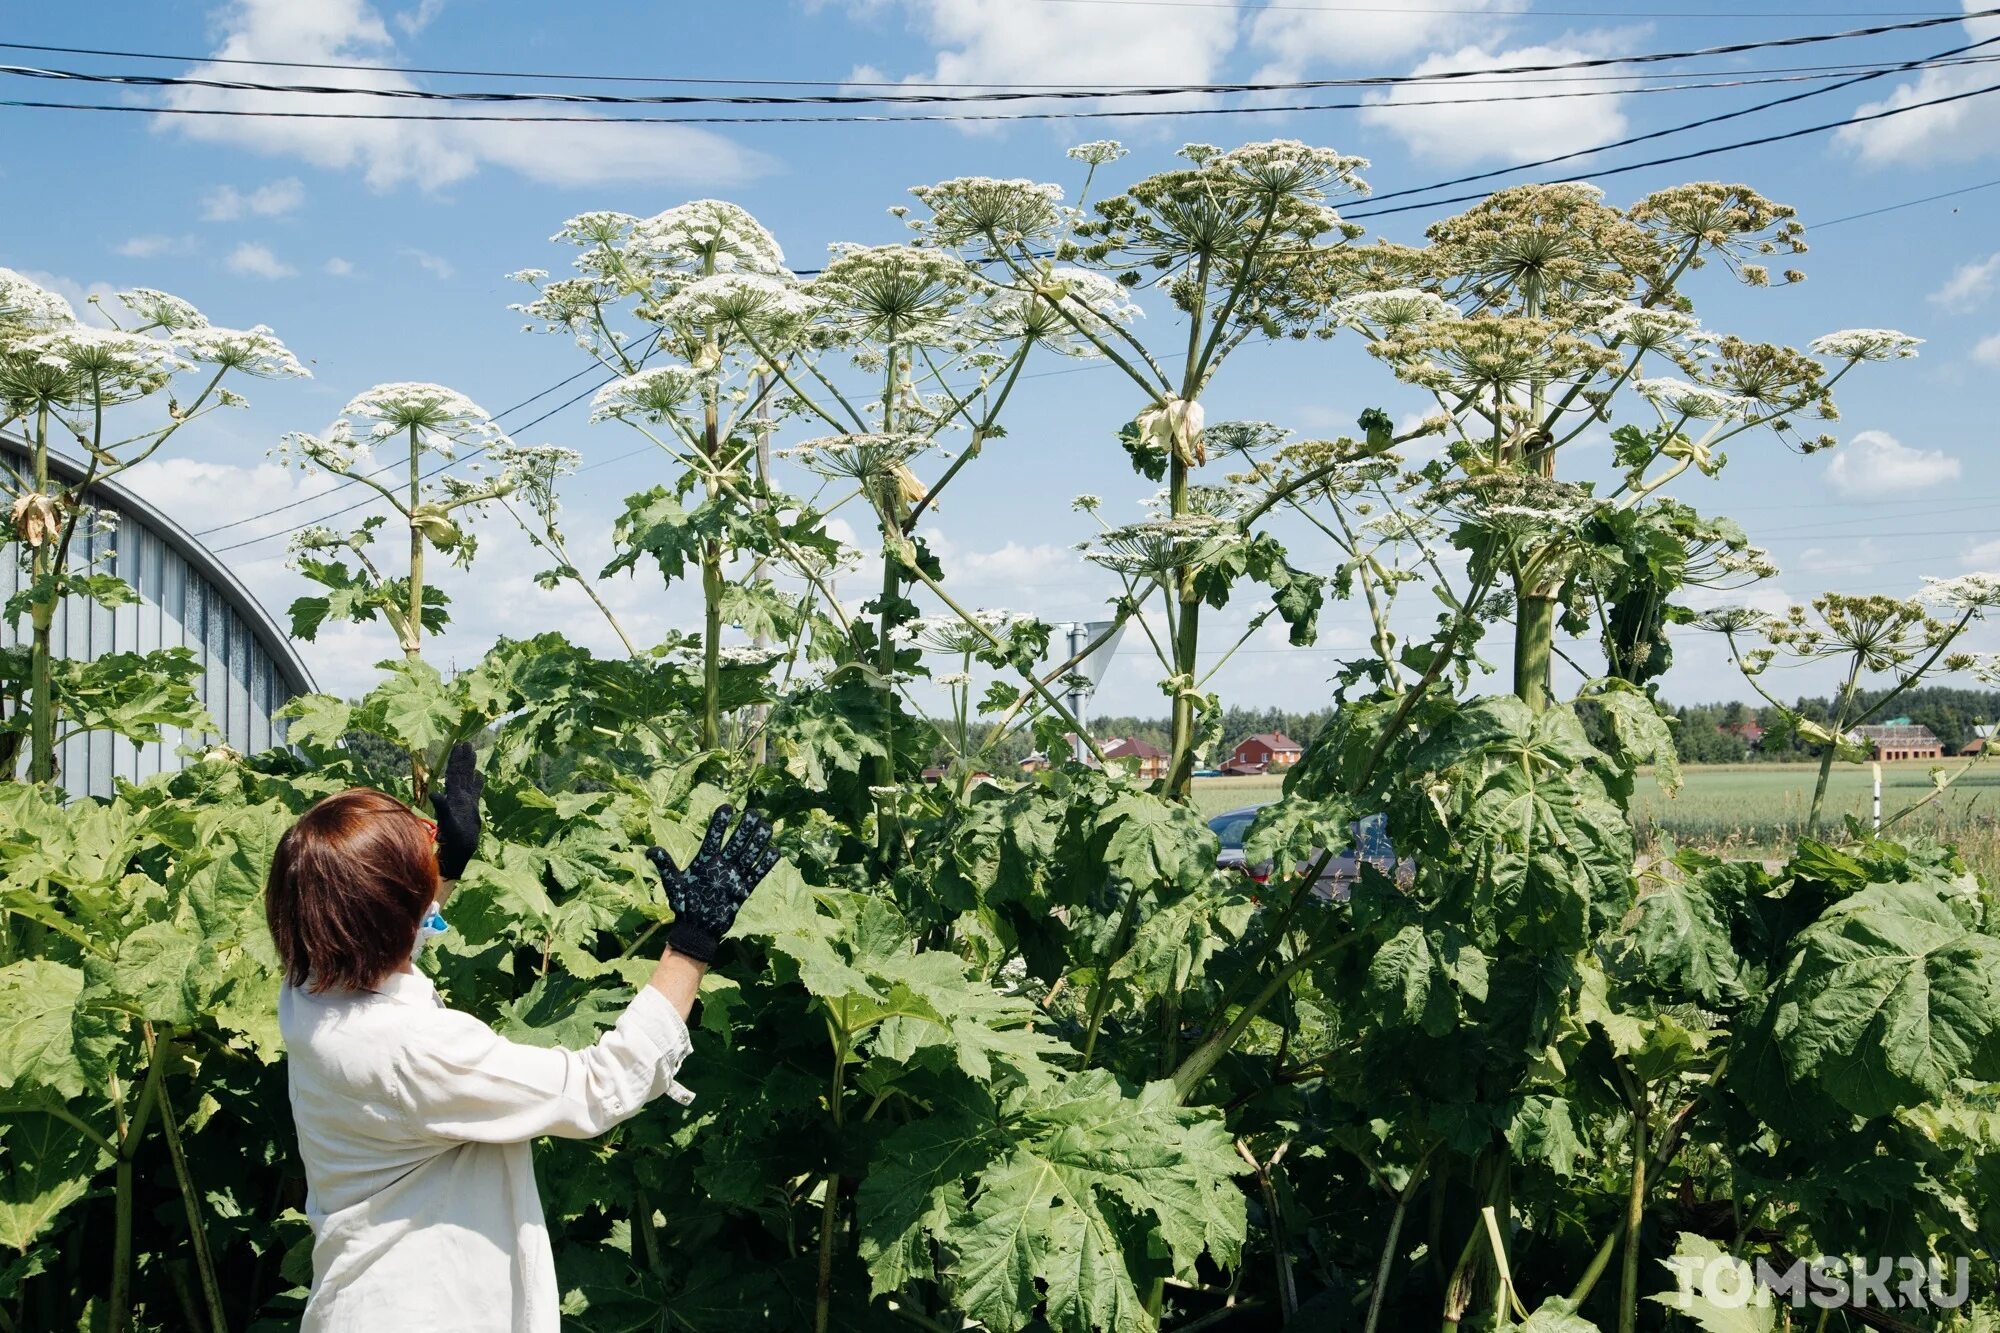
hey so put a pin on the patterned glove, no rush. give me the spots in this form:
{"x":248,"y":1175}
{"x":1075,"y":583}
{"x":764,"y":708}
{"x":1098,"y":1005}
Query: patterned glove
{"x":706,"y":895}
{"x":457,"y":807}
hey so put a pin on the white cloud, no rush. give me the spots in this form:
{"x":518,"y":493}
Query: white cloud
{"x":339,"y":268}
{"x":1987,"y":352}
{"x":81,"y":296}
{"x":1986,"y":555}
{"x":1969,"y":284}
{"x":200,"y":494}
{"x":1954,"y":132}
{"x":1850,"y":557}
{"x":1537,"y":127}
{"x":1296,"y":38}
{"x":1875,"y":462}
{"x":152,"y":247}
{"x":251,"y":260}
{"x":226,"y":203}
{"x":414,"y":21}
{"x":393,"y":153}
{"x":1004,"y":41}
{"x":436,"y":265}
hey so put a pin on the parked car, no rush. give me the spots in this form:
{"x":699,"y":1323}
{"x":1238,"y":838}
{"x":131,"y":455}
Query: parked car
{"x":1370,"y":845}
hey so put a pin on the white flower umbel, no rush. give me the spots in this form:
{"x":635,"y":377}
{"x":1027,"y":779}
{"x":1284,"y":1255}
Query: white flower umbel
{"x":442,"y":418}
{"x":162,"y":309}
{"x":336,"y":449}
{"x":1643,"y":329}
{"x":896,"y":294}
{"x":952,"y":635}
{"x":1867,"y":345}
{"x":1700,"y":401}
{"x":530,"y":471}
{"x":1967,"y":592}
{"x":1156,"y":548}
{"x":1395,"y":311}
{"x":1050,"y":314}
{"x":862,"y":458}
{"x":254,"y":351}
{"x":707,"y":233}
{"x":1098,"y":152}
{"x":28,"y":306}
{"x":650,"y":395}
{"x":1289,"y":167}
{"x":116,"y":365}
{"x":761,"y":306}
{"x":1003,"y":213}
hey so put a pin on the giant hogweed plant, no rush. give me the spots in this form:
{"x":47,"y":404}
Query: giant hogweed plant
{"x":112,"y":393}
{"x":1014,"y":1055}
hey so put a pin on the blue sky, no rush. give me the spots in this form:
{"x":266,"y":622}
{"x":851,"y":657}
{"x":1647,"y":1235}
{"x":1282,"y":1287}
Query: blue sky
{"x":379,"y":251}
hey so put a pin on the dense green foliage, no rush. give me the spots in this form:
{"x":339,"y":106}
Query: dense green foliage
{"x":1017,"y":1055}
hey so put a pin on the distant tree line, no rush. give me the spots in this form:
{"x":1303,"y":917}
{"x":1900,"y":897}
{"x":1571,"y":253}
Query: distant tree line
{"x":1710,"y":733}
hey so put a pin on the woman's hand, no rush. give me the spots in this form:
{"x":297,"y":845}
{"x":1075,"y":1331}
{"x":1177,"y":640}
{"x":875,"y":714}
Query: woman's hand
{"x":706,"y":895}
{"x":457,"y":807}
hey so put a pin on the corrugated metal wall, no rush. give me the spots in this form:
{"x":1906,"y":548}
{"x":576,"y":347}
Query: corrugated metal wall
{"x":180,"y":605}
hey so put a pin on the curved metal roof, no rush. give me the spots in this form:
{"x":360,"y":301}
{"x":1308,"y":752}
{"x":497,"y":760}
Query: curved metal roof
{"x":271,"y":636}
{"x":187,"y":598}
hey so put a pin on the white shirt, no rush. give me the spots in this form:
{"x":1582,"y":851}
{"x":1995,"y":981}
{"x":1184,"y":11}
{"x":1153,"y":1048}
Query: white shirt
{"x":415,"y":1122}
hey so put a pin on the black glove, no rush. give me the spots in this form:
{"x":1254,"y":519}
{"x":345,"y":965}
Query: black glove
{"x":706,"y":895}
{"x":457,"y":807}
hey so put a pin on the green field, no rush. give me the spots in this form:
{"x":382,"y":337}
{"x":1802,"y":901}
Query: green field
{"x":1215,"y":795}
{"x":1744,"y":808}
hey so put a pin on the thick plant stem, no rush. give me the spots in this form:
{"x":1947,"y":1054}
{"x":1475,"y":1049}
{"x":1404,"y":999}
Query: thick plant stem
{"x":41,"y":687}
{"x":204,"y":1260}
{"x":829,"y":1214}
{"x":1187,"y":643}
{"x":1388,"y":1259}
{"x":120,"y":1312}
{"x":829,"y":1221}
{"x":413,"y":634}
{"x":1635,"y":1212}
{"x":1100,"y":995}
{"x":1840,"y":716}
{"x":1204,"y":1057}
{"x":1534,"y":646}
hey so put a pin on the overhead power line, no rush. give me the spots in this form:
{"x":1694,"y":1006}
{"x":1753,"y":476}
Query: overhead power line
{"x":1279,"y":7}
{"x":1758,"y":142}
{"x":991,"y":95}
{"x":1401,"y":104}
{"x":1912,"y":21}
{"x":1679,"y":129}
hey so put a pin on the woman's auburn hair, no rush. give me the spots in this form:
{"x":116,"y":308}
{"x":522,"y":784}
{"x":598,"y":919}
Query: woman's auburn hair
{"x":349,"y":885}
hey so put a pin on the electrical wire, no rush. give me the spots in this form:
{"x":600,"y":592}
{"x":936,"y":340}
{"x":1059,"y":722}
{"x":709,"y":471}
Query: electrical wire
{"x":991,"y":95}
{"x":1706,"y":121}
{"x":964,"y":117}
{"x":1758,"y":142}
{"x":1258,"y":8}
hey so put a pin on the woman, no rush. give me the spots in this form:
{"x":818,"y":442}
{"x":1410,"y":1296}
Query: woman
{"x":415,"y":1120}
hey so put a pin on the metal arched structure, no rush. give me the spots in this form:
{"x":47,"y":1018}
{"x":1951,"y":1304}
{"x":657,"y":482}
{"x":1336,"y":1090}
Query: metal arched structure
{"x":187,"y":598}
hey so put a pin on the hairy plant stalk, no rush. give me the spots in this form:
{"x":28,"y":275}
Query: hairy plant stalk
{"x":1386,"y":1264}
{"x":413,"y":629}
{"x":1830,"y":753}
{"x":1205,"y":1056}
{"x":1635,"y":1213}
{"x":41,"y":685}
{"x":119,"y":1317}
{"x":204,"y":1260}
{"x":829,"y":1217}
